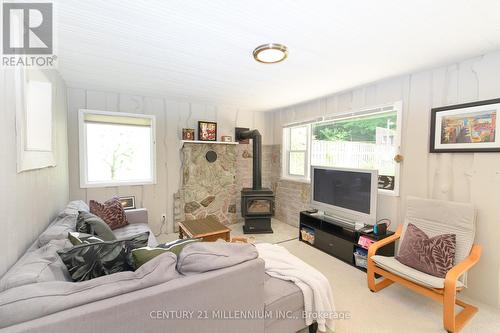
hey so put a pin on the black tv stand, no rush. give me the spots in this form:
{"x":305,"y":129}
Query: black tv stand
{"x":338,"y":239}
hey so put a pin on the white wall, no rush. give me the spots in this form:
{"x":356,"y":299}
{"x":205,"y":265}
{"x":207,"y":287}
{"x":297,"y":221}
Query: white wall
{"x":466,"y":177}
{"x":171,"y":117}
{"x":31,"y":199}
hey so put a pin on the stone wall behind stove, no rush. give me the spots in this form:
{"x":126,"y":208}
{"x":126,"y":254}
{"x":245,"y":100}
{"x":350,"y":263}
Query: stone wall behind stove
{"x":270,"y":169}
{"x":214,"y":188}
{"x":207,"y":188}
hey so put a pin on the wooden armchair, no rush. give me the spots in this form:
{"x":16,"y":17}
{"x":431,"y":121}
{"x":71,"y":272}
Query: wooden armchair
{"x":433,"y":217}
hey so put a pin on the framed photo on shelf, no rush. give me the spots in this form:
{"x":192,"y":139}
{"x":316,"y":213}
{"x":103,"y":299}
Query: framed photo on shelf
{"x":128,"y":202}
{"x":207,"y":131}
{"x":187,"y":134}
{"x":465,"y":128}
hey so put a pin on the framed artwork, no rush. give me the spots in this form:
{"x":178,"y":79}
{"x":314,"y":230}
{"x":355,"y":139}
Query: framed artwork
{"x":469,"y":127}
{"x":187,"y":134}
{"x":207,"y":131}
{"x":128,"y":202}
{"x":226,"y":138}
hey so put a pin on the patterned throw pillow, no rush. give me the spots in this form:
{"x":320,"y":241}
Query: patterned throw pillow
{"x":77,"y":238}
{"x":145,"y":254}
{"x":110,"y":211}
{"x":434,"y":256}
{"x":88,"y":223}
{"x":89,"y":261}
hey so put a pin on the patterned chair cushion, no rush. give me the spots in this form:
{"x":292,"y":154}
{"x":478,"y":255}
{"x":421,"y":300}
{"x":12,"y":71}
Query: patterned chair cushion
{"x":438,"y":217}
{"x":111,"y":212}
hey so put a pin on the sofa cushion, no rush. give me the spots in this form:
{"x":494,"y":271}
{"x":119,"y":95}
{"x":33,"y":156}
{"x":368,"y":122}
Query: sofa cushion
{"x":40,"y":265}
{"x":201,"y":257}
{"x":111,"y":211}
{"x":41,"y":299}
{"x":134,"y":229}
{"x":89,"y":261}
{"x":74,"y":207}
{"x":58,"y":229}
{"x":91,"y":224}
{"x":281,"y":296}
{"x":434,"y":256}
{"x":392,"y":265}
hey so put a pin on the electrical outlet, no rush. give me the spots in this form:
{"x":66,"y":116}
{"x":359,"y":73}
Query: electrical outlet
{"x":163,"y":217}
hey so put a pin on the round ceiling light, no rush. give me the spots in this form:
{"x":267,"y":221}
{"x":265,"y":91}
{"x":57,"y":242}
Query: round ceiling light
{"x":270,"y":53}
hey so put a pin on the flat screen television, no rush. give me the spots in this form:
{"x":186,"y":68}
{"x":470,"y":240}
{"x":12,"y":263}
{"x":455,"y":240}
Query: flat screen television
{"x":349,"y":195}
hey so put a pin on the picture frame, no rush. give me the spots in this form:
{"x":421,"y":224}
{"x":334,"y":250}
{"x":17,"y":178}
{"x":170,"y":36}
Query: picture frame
{"x":207,"y":131}
{"x":188,"y":134}
{"x":128,"y":202}
{"x":227,"y":138}
{"x":465,"y":128}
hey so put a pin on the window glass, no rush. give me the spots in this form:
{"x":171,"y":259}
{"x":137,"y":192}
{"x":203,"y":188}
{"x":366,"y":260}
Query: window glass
{"x":367,"y":142}
{"x":298,"y":138}
{"x":118,"y":149}
{"x":297,"y":163}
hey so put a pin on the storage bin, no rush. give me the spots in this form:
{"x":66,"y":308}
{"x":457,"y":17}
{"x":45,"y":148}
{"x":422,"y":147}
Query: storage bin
{"x":307,"y":235}
{"x":360,"y":260}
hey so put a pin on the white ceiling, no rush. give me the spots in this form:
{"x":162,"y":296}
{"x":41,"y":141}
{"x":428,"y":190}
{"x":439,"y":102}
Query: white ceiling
{"x":202,"y":50}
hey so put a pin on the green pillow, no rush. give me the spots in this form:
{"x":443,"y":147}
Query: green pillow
{"x":89,"y":261}
{"x":145,"y":254}
{"x":90,"y":224}
{"x":77,"y":238}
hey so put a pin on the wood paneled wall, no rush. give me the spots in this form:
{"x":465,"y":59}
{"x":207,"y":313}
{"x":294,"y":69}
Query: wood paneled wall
{"x":171,"y":117}
{"x":466,"y":177}
{"x":31,"y":199}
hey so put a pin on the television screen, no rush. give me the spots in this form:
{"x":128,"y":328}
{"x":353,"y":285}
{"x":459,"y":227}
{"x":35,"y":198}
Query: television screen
{"x":345,"y":189}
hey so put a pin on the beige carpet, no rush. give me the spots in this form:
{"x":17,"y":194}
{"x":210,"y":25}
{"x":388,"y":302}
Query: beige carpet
{"x":394,"y":309}
{"x":282,"y":232}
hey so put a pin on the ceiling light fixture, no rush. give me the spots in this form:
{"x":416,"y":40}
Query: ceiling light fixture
{"x":270,"y":53}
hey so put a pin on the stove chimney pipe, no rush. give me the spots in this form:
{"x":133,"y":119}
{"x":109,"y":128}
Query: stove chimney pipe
{"x":257,"y":155}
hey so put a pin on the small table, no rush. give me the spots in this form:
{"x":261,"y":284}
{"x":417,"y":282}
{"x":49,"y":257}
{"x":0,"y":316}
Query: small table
{"x":208,"y":228}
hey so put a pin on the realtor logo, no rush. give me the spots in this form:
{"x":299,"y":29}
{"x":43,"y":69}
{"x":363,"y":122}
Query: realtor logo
{"x":27,"y":28}
{"x":27,"y":37}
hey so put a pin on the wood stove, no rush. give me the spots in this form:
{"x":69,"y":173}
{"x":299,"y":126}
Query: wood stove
{"x":257,"y":203}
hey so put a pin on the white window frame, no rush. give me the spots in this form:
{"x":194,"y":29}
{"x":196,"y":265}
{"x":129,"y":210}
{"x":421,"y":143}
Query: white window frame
{"x":286,"y":154}
{"x":396,"y":107}
{"x":84,"y":183}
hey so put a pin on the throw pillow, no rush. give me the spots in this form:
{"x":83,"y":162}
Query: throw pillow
{"x":88,"y":223}
{"x":111,"y":212}
{"x":145,"y":254}
{"x":177,"y":245}
{"x":77,"y":238}
{"x":88,"y":261}
{"x":434,"y":256}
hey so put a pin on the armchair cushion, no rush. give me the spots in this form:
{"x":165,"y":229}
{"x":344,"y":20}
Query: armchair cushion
{"x":438,"y":217}
{"x":435,"y":256}
{"x":392,"y":265}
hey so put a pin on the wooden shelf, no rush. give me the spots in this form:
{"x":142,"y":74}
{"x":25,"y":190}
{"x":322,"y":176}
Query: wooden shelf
{"x":209,"y":142}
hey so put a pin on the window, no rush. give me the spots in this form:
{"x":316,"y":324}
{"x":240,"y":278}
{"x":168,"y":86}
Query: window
{"x":297,"y":156}
{"x":116,"y":149}
{"x":368,"y":139}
